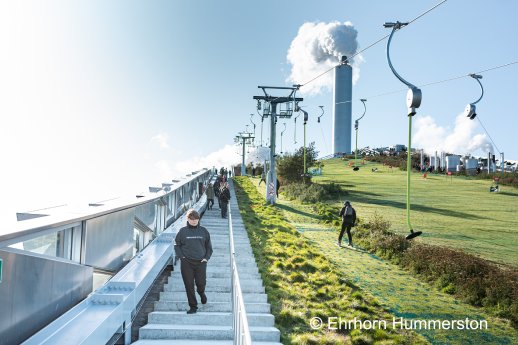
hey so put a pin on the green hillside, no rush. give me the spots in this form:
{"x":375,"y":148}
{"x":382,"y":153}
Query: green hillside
{"x":452,"y":211}
{"x":402,"y":293}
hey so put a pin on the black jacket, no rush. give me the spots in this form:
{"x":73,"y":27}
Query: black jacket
{"x":224,"y":196}
{"x":193,"y":243}
{"x":348,"y":220}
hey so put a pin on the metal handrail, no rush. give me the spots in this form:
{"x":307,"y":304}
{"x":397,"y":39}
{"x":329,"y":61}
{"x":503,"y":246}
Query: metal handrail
{"x":240,"y":320}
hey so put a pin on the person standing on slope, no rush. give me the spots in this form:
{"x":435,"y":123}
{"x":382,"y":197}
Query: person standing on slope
{"x":348,"y":214}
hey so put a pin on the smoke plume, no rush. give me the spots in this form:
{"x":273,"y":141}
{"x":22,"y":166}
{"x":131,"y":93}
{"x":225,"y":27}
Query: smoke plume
{"x":224,"y":157}
{"x":258,"y":155}
{"x":319,"y":47}
{"x":462,"y":140}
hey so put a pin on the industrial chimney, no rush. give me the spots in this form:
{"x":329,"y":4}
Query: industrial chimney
{"x":342,"y":119}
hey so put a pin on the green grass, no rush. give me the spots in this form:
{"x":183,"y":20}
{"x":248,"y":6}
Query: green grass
{"x":302,"y":283}
{"x":458,"y":212}
{"x":396,"y":289}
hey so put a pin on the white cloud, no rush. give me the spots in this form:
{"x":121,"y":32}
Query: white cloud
{"x":164,"y":170}
{"x":258,"y":155}
{"x":461,"y":140}
{"x":162,"y":139}
{"x":224,"y":157}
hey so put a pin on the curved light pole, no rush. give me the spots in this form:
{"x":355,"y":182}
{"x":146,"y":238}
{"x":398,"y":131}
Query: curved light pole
{"x":305,"y":122}
{"x":413,"y":101}
{"x":252,"y":115}
{"x":471,"y":113}
{"x":282,"y":133}
{"x":471,"y":109}
{"x":356,"y":122}
{"x":262,"y":120}
{"x":321,"y":108}
{"x":295,"y":132}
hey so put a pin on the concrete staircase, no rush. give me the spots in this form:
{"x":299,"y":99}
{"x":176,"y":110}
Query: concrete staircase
{"x":212,"y":324}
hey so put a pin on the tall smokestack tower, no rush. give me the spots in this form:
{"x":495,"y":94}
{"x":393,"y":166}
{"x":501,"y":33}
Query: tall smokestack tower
{"x":342,"y":118}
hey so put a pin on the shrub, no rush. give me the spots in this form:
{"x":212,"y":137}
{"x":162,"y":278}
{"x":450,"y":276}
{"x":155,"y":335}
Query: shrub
{"x":290,"y":167}
{"x":312,"y":192}
{"x":506,"y":179}
{"x":399,"y":161}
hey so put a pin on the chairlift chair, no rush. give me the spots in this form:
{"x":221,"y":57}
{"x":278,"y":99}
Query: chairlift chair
{"x":356,"y":123}
{"x":471,"y":110}
{"x":414,"y":97}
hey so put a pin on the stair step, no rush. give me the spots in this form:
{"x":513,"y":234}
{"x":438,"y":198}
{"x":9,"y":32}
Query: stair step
{"x":246,"y":288}
{"x":210,"y":306}
{"x":226,"y":259}
{"x":222,"y":281}
{"x":240,"y":269}
{"x":196,"y":342}
{"x":204,"y":318}
{"x":222,"y":274}
{"x":167,"y":296}
{"x":204,"y":332}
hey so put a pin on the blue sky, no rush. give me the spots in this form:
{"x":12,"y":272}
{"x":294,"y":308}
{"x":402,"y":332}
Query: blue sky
{"x":105,"y":98}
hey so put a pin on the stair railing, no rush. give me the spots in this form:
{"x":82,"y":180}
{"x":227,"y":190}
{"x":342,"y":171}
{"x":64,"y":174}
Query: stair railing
{"x":240,"y":320}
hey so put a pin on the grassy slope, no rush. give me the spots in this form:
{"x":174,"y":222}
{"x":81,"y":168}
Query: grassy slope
{"x":301,"y":282}
{"x":399,"y":291}
{"x":456,"y":212}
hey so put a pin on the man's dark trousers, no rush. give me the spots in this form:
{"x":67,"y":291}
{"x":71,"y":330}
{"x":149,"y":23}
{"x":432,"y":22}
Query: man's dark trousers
{"x":192,"y":272}
{"x":345,"y":227}
{"x":224,"y":206}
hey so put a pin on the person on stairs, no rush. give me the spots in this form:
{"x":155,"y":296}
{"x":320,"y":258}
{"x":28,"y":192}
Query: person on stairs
{"x":224,"y":198}
{"x":210,"y":196}
{"x":194,"y":248}
{"x":348,"y":214}
{"x":217,"y":189}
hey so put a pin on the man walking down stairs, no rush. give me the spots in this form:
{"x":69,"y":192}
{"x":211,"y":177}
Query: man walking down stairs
{"x":194,"y":248}
{"x":212,"y":323}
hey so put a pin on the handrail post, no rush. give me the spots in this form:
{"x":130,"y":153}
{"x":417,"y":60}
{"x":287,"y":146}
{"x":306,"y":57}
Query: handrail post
{"x":240,"y":326}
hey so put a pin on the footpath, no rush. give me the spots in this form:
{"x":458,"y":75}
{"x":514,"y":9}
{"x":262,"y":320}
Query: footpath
{"x":212,"y":324}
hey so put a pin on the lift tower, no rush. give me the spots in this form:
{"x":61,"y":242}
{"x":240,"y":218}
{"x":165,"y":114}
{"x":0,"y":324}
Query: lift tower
{"x":286,"y":106}
{"x":244,"y":138}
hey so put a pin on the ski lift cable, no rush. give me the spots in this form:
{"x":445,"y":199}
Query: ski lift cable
{"x":323,"y":137}
{"x":480,"y":121}
{"x":437,"y":82}
{"x":497,"y":67}
{"x":373,"y":44}
{"x":320,"y":125}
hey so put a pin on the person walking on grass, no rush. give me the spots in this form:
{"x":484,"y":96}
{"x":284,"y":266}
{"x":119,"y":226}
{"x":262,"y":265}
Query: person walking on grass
{"x":194,"y":248}
{"x":348,"y":214}
{"x":263,"y":178}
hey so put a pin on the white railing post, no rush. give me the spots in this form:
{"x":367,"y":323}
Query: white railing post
{"x":240,"y":323}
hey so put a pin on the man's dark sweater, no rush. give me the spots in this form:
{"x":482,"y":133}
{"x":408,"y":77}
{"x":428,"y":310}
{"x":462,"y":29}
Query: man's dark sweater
{"x":193,"y":243}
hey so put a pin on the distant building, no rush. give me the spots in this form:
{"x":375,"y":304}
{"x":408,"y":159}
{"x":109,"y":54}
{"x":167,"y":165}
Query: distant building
{"x":398,"y":148}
